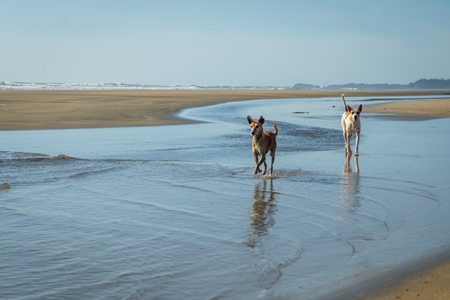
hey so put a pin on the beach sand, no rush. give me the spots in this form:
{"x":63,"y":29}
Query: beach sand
{"x":433,"y":108}
{"x":53,"y":109}
{"x":430,"y":283}
{"x":24,"y":110}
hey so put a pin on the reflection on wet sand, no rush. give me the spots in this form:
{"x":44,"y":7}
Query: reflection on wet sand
{"x":266,"y":246}
{"x":348,"y":167}
{"x":263,"y":209}
{"x":350,"y":186}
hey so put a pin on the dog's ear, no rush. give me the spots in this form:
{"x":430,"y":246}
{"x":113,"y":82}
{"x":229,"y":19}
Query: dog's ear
{"x":360,"y":108}
{"x":261,"y":120}
{"x":249,"y":120}
{"x":349,"y":108}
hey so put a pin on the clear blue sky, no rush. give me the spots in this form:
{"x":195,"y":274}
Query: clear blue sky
{"x":224,"y":42}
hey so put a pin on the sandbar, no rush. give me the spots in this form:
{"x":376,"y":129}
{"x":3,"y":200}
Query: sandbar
{"x":64,"y":109}
{"x":431,"y":108}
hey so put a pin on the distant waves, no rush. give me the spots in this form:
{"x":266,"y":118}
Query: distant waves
{"x":7,"y":85}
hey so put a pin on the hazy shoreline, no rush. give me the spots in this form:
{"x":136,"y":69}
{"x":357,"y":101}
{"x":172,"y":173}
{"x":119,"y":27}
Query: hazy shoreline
{"x":28,"y":109}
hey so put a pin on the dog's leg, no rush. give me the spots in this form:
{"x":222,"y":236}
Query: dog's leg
{"x":272,"y":156}
{"x":344,"y":134}
{"x":263,"y":160}
{"x":357,"y":144}
{"x":348,"y":150}
{"x":257,"y":164}
{"x":271,"y":165}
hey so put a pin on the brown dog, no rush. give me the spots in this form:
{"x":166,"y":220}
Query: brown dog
{"x":351,"y":124}
{"x":262,"y":143}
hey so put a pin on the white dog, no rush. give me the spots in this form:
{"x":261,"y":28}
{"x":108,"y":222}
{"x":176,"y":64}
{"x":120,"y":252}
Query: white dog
{"x":351,"y":124}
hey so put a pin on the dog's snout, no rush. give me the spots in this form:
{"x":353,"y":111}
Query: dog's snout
{"x":253,"y":133}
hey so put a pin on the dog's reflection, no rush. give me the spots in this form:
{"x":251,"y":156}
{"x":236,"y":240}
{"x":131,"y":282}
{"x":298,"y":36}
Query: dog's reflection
{"x":350,"y":185}
{"x":263,"y":210}
{"x":348,"y":167}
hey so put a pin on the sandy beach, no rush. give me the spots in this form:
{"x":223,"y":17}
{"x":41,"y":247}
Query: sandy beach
{"x":25,"y":110}
{"x":54,"y":109}
{"x":434,"y":108}
{"x":429,"y":284}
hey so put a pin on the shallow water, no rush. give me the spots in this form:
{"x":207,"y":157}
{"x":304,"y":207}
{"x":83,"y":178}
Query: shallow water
{"x":173,"y":212}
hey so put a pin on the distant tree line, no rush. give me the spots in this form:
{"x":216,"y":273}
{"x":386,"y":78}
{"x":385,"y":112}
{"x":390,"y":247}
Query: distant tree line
{"x":304,"y":86}
{"x":419,"y":84}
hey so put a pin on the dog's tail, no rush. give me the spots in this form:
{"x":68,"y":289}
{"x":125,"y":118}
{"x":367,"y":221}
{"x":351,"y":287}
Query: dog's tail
{"x":275,"y":129}
{"x":345,"y":104}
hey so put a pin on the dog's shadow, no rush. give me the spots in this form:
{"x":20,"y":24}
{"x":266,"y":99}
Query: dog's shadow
{"x":263,"y":210}
{"x":350,"y":184}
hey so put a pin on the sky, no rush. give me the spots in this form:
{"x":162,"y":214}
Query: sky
{"x":224,"y":42}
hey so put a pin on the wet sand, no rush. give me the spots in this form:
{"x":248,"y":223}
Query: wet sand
{"x":429,"y":284}
{"x":436,"y":107}
{"x":24,"y":110}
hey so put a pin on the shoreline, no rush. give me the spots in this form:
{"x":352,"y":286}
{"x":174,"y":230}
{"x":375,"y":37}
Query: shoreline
{"x":426,"y":278}
{"x":55,"y":109}
{"x":25,"y":110}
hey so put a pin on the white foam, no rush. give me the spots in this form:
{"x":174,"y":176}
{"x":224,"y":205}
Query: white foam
{"x":8,"y":85}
